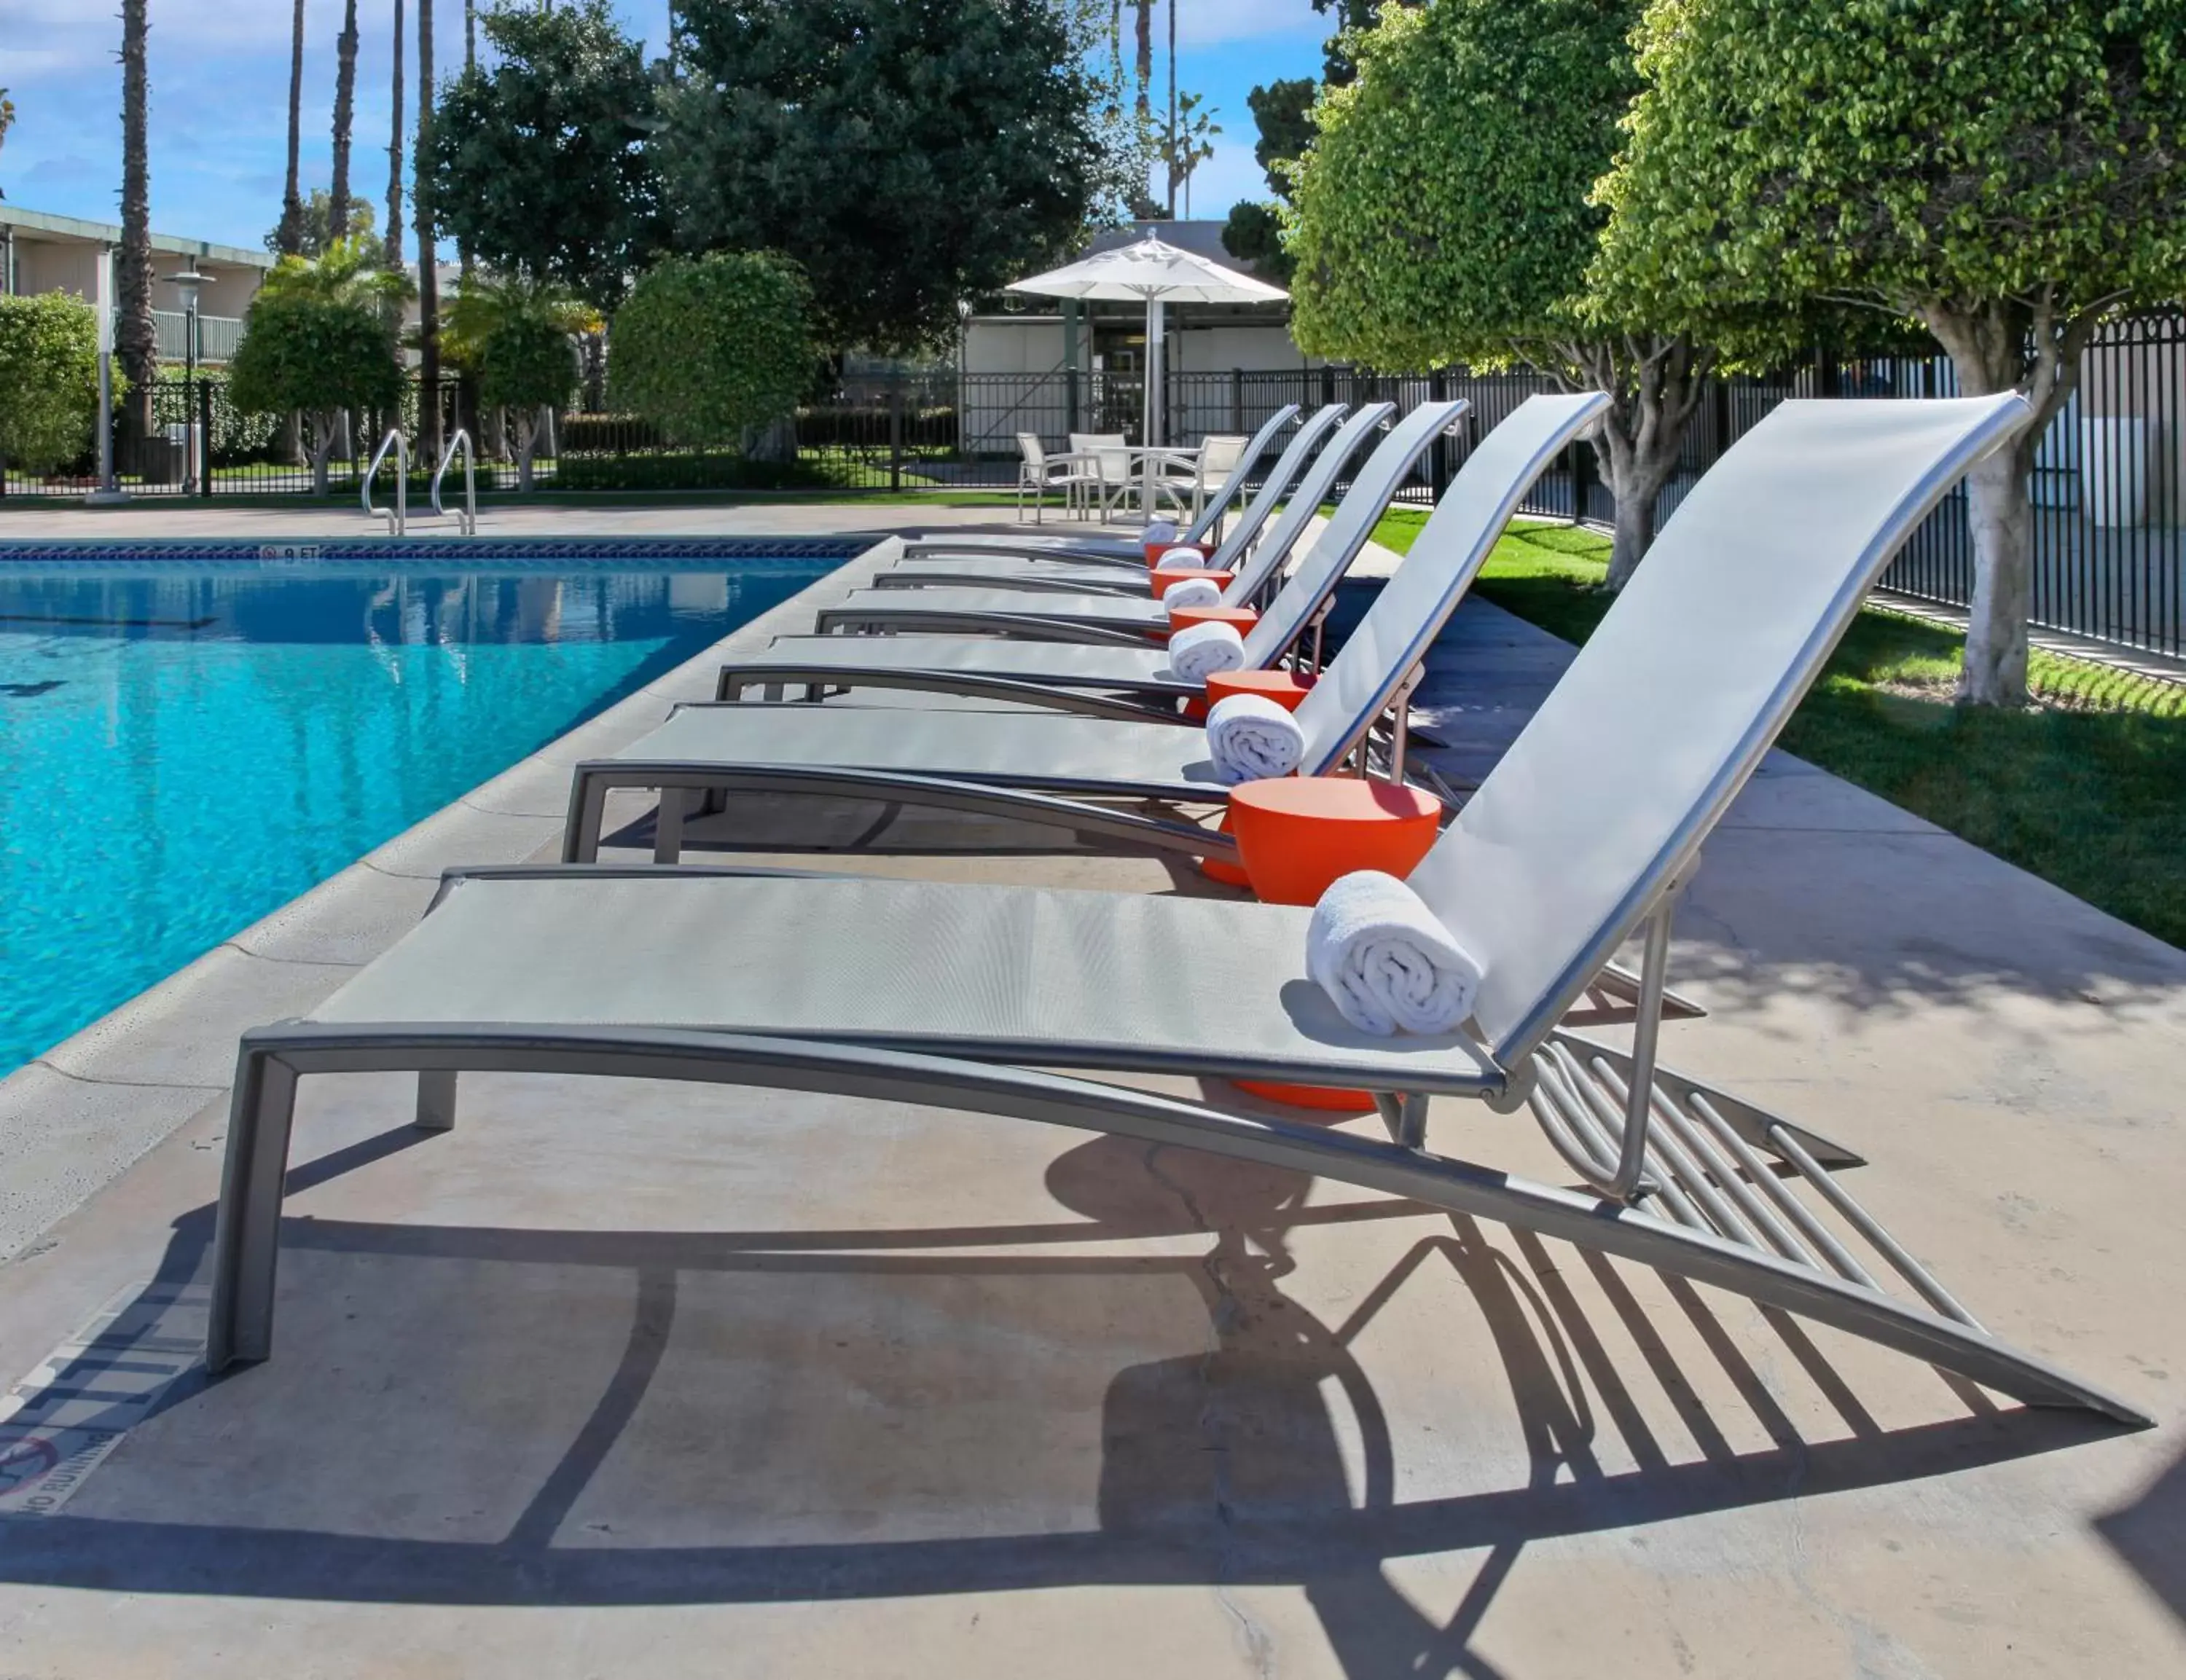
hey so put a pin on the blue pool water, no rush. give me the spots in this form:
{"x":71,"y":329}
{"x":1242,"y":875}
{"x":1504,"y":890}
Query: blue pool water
{"x":184,"y":748}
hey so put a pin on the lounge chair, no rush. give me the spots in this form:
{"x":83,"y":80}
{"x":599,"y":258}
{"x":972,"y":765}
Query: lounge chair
{"x":1059,"y":603}
{"x":919,"y":992}
{"x":1051,"y":767}
{"x":1131,"y":549}
{"x":1125,"y":681}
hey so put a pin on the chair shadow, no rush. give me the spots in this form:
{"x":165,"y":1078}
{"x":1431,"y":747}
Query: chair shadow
{"x":2150,"y":1535}
{"x":1224,"y":1466}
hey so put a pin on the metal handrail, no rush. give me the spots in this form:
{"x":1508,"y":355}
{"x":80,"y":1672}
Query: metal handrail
{"x":398,"y":517}
{"x":467,"y":521}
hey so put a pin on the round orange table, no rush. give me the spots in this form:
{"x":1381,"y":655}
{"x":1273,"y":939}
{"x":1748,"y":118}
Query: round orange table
{"x":1298,"y":834}
{"x":1165,"y":576}
{"x":1242,"y":618}
{"x":1285,"y":688}
{"x":1154,"y":551}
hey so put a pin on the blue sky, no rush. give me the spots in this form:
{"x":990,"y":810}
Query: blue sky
{"x":220,"y":68}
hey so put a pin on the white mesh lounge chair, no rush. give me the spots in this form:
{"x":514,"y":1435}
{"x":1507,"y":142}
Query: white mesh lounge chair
{"x":1070,"y":603}
{"x":1205,"y":528}
{"x":950,"y":995}
{"x":1126,"y":572}
{"x":1382,"y":477}
{"x":1049,"y":766}
{"x":1124,"y":681}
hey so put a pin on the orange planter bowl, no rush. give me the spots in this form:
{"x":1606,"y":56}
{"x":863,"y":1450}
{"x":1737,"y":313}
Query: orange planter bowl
{"x":1154,"y":551}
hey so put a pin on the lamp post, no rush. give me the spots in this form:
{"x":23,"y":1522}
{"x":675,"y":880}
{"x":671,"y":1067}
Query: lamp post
{"x":109,"y":492}
{"x":188,"y":283}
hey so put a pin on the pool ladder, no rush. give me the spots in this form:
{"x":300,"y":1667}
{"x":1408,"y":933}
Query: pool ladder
{"x":398,"y":515}
{"x":466,"y":515}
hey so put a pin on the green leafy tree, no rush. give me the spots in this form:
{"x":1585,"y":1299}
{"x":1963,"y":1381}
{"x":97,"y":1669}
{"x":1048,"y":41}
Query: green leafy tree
{"x":1353,"y":17}
{"x":7,"y":119}
{"x":906,"y":156}
{"x":2008,"y":173}
{"x":319,"y":340}
{"x":1282,"y":113}
{"x":539,"y":160}
{"x":318,"y":236}
{"x":712,"y":350}
{"x":1442,"y":216}
{"x":518,"y":338}
{"x":49,"y":380}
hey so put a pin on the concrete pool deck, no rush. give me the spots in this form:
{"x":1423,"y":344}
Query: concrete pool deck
{"x":623,"y":1379}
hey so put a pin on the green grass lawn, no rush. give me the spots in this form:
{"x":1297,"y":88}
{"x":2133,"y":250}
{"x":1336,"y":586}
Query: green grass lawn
{"x":2087,"y":789}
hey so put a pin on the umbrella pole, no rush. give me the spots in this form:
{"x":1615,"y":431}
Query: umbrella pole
{"x":1150,"y":431}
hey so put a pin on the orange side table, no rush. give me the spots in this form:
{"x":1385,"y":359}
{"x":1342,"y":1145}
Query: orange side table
{"x":1286,"y":688}
{"x":1165,"y":576}
{"x":1241,"y":617}
{"x":1154,"y":551}
{"x":1297,"y":834}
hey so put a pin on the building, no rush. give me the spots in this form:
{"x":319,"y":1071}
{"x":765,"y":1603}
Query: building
{"x":40,"y":253}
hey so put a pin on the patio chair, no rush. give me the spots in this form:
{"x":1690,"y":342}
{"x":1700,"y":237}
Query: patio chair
{"x":1040,"y":473}
{"x":994,"y":566}
{"x":1061,"y":603}
{"x":1207,"y":527}
{"x":952,"y":995}
{"x":1493,"y":480}
{"x":1213,"y":462}
{"x":1108,"y":458}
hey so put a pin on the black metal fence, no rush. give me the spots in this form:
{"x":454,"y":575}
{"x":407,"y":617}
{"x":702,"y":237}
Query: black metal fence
{"x":2109,"y":483}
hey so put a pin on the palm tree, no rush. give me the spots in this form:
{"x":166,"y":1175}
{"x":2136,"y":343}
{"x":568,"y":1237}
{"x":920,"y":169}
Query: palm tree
{"x":139,"y":339}
{"x":527,"y":317}
{"x":345,"y":117}
{"x":428,"y":277}
{"x":394,"y":155}
{"x":8,"y":115}
{"x":289,"y":237}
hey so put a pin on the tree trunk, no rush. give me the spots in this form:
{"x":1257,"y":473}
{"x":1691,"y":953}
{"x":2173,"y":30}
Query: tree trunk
{"x":345,"y":118}
{"x":290,"y":235}
{"x":1999,"y":347}
{"x":429,"y":275}
{"x":1145,"y":43}
{"x":1653,"y":386}
{"x":2001,"y":513}
{"x":139,"y":339}
{"x":324,"y":429}
{"x":527,"y":440}
{"x":393,"y":245}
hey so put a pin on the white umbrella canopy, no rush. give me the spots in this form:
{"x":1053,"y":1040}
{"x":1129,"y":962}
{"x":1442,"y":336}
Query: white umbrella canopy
{"x":1157,"y":273}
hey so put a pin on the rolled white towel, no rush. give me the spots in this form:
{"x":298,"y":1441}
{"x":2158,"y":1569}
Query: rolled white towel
{"x":1197,"y":651}
{"x":1385,"y":959}
{"x":1181,"y":557}
{"x":1192,"y":592}
{"x":1250,"y":738}
{"x":1162,"y":531}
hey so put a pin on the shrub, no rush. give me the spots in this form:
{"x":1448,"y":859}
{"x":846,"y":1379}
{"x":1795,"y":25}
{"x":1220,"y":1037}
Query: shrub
{"x":49,"y":380}
{"x":714,"y":349}
{"x":322,"y":354}
{"x":681,"y":471}
{"x":606,"y":434}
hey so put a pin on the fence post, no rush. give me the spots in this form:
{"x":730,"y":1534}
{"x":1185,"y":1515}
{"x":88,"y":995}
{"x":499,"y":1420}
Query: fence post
{"x":205,"y":440}
{"x":1236,"y":399}
{"x":1438,"y":458}
{"x":895,"y":431}
{"x":1070,"y":401}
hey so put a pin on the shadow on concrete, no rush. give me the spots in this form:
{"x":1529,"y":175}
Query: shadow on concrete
{"x":442,"y":1427}
{"x":2150,"y":1535}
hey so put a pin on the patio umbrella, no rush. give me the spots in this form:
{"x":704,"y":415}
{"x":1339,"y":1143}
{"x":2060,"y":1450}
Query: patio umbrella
{"x":1158,"y":274}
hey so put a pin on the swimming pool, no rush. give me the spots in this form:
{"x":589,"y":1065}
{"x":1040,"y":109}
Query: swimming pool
{"x":186,"y":743}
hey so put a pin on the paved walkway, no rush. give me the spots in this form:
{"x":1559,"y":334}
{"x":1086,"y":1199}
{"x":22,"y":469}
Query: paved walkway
{"x":618,"y":1379}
